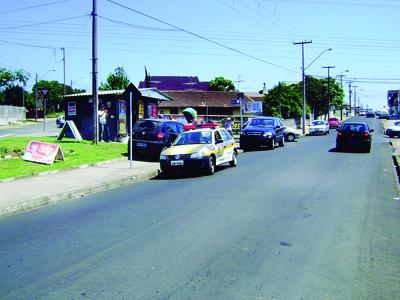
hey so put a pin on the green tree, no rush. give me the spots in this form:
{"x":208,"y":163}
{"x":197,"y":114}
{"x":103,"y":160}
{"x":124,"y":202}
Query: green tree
{"x":54,"y":100}
{"x":317,"y":94}
{"x":10,"y":86}
{"x":221,"y":84}
{"x":118,"y":80}
{"x":284,"y":101}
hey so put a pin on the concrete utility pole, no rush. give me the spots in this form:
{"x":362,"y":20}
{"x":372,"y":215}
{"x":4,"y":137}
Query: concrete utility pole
{"x":94,"y":73}
{"x":304,"y":82}
{"x":355,"y":99}
{"x":36,"y":81}
{"x":329,"y":89}
{"x":350,"y":98}
{"x":63,"y":49}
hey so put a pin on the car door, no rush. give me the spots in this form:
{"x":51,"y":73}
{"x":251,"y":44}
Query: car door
{"x":229,"y":145}
{"x":279,"y":130}
{"x":219,"y":144}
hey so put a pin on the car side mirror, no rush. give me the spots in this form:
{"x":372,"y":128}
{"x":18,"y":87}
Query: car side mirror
{"x":371,"y":130}
{"x":337,"y":129}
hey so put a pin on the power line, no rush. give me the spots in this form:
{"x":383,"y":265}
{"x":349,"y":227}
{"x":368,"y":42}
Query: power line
{"x":201,"y":37}
{"x":30,"y":7}
{"x":46,"y":22}
{"x":137,"y":26}
{"x":27,"y":45}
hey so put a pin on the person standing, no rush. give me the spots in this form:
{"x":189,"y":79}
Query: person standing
{"x":228,"y":126}
{"x":103,"y":114}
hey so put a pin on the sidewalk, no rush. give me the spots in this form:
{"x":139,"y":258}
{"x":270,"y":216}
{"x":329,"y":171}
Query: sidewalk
{"x":39,"y":190}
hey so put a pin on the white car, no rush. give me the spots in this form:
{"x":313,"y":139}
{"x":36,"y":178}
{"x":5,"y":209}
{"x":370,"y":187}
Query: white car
{"x":318,"y":127}
{"x":291,"y":134}
{"x":394,"y":130}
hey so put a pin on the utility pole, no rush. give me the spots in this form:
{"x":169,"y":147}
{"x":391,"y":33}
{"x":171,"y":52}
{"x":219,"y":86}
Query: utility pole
{"x":239,"y":81}
{"x":350,"y":98}
{"x":341,"y":85}
{"x":63,"y":49}
{"x":36,"y":80}
{"x":355,"y":99}
{"x":329,"y":90}
{"x":94,"y":73}
{"x":304,"y":82}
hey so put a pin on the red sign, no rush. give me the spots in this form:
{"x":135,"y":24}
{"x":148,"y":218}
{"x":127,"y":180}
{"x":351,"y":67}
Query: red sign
{"x":41,"y":152}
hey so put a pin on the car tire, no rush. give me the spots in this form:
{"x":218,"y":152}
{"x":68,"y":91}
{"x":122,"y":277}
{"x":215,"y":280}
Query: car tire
{"x":211,"y":165}
{"x":282,"y":142}
{"x":290,"y":137}
{"x":339,"y":148}
{"x":327,"y":132}
{"x":272,"y":144}
{"x":233,"y":162}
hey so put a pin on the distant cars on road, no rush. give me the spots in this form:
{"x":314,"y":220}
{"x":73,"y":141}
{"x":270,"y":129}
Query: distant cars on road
{"x":334,"y":122}
{"x":291,"y":134}
{"x":262,"y":131}
{"x":354,"y":135}
{"x":318,"y":127}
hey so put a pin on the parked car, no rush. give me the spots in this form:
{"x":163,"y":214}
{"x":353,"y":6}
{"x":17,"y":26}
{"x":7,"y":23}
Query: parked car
{"x":318,"y":127}
{"x":383,"y":115}
{"x":333,"y":122}
{"x":262,"y":131}
{"x":152,"y":135}
{"x":200,"y":149}
{"x":60,"y":121}
{"x":393,"y":130}
{"x":370,"y":114}
{"x":291,"y":134}
{"x":354,"y":135}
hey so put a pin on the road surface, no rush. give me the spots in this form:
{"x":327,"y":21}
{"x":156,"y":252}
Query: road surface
{"x":299,"y":222}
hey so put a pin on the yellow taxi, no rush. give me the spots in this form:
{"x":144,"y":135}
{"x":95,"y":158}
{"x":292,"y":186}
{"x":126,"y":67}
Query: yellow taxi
{"x":203,"y":148}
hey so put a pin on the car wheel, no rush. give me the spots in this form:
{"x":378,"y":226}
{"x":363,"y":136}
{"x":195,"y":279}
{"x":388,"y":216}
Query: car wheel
{"x":272,"y":144}
{"x":290,"y":137}
{"x":233,"y":162}
{"x":339,"y":148}
{"x":282,"y":142}
{"x":211,"y":166}
{"x":327,"y":131}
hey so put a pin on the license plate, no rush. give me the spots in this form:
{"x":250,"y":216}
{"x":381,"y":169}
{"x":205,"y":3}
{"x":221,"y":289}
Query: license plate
{"x":177,"y":163}
{"x":144,"y":145}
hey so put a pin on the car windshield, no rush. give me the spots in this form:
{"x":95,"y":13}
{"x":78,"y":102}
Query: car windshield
{"x":261,"y":123}
{"x":318,"y":122}
{"x":333,"y":119}
{"x":194,"y":137}
{"x":354,"y":128}
{"x":147,"y":125}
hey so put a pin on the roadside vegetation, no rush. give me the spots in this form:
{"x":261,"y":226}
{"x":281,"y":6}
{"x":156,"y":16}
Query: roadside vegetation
{"x":76,"y":154}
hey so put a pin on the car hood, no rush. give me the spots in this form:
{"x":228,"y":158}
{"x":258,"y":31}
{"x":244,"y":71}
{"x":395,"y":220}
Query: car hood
{"x":188,"y":149}
{"x":317,"y":126}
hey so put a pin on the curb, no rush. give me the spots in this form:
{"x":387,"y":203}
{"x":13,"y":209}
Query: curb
{"x":75,"y":194}
{"x":96,"y":164}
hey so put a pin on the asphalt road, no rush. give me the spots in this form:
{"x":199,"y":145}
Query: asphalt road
{"x":299,"y":222}
{"x":31,"y":130}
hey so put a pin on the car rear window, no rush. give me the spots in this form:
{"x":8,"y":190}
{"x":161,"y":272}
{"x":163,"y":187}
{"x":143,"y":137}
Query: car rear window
{"x":354,"y":128}
{"x":147,"y":125}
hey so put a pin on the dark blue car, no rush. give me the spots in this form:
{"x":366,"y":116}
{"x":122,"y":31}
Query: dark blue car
{"x":262,"y":131}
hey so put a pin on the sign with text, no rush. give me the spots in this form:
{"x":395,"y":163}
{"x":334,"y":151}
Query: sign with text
{"x":252,"y":107}
{"x":41,"y":152}
{"x":71,"y":108}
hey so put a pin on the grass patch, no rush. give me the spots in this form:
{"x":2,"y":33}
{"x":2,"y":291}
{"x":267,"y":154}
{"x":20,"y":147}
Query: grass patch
{"x":76,"y":154}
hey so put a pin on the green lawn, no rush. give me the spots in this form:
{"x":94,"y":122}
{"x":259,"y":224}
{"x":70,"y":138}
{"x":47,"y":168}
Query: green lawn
{"x":76,"y":154}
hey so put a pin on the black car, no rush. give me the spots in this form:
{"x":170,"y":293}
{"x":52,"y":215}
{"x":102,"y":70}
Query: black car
{"x":150,"y":136}
{"x":370,"y":114}
{"x":354,"y":135}
{"x":262,"y":131}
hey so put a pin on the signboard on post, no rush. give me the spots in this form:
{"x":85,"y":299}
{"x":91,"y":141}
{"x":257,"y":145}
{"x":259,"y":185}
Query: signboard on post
{"x":44,"y":153}
{"x":252,"y":107}
{"x":71,"y":109}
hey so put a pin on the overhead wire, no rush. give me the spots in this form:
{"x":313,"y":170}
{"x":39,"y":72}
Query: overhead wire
{"x":31,"y":7}
{"x":201,"y":37}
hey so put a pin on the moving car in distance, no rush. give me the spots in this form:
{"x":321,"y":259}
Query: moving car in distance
{"x":334,"y":122}
{"x":262,"y":131}
{"x":318,"y":127}
{"x":200,"y":149}
{"x":291,"y":134}
{"x":150,"y":136}
{"x":370,"y":114}
{"x":394,"y":130}
{"x":354,"y":135}
{"x":383,"y":115}
{"x":60,"y":121}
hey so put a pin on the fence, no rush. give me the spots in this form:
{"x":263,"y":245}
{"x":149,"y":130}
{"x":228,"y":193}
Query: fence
{"x":11,"y":114}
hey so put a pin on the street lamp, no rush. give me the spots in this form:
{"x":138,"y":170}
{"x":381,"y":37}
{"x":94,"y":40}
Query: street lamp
{"x":36,"y":88}
{"x":304,"y":81}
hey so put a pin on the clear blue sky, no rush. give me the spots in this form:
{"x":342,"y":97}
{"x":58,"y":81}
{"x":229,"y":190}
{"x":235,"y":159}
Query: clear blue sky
{"x":363,"y":34}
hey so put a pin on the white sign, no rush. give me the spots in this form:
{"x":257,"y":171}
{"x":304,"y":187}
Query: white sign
{"x":252,"y":107}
